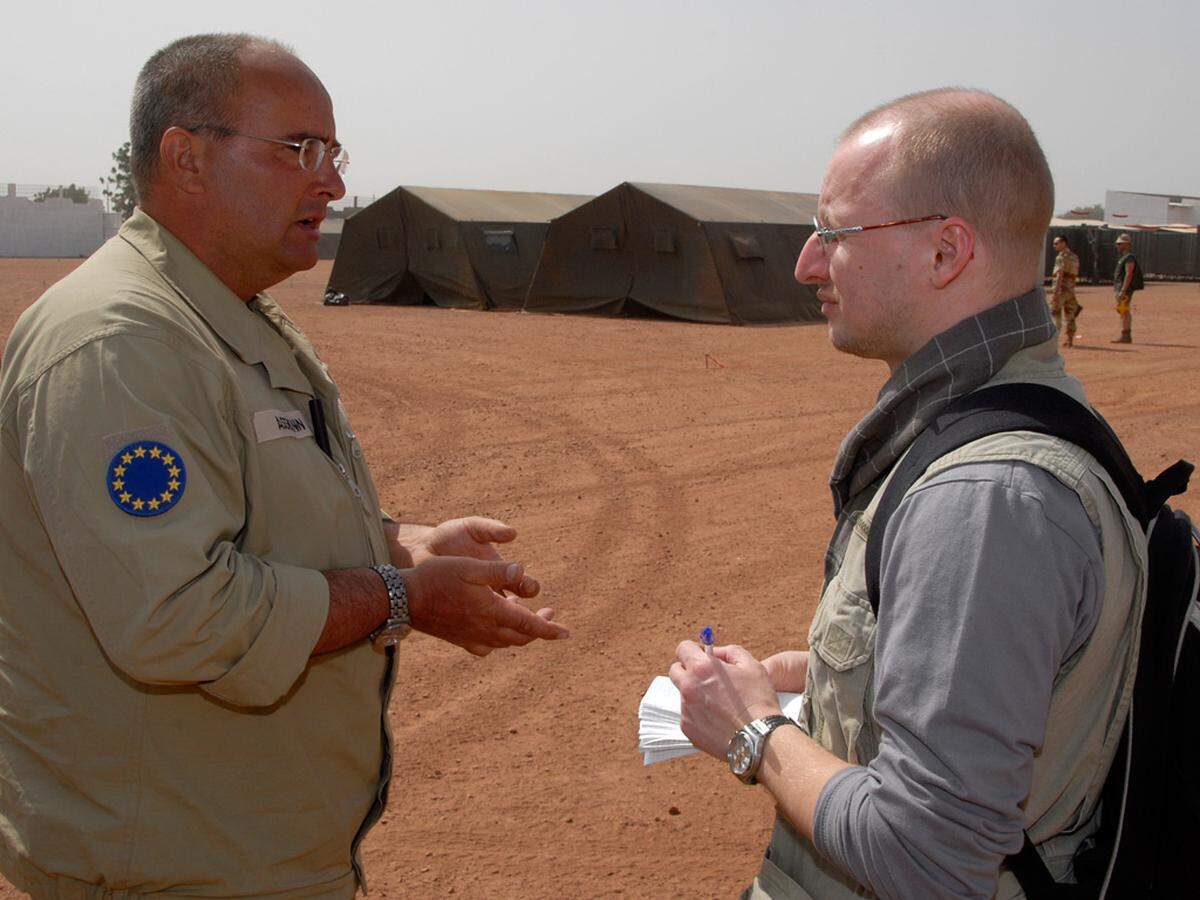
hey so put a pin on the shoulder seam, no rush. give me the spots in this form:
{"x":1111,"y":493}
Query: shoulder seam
{"x":135,"y":331}
{"x":1008,"y":487}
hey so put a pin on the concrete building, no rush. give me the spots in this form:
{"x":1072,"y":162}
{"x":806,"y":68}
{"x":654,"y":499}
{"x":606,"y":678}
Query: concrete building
{"x":58,"y":227}
{"x":1132,"y":208}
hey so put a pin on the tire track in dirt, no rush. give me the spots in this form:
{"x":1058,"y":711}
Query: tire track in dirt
{"x":636,"y":476}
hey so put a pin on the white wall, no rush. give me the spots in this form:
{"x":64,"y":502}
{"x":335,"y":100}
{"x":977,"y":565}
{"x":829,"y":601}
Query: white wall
{"x":1149,"y":209}
{"x":56,"y":227}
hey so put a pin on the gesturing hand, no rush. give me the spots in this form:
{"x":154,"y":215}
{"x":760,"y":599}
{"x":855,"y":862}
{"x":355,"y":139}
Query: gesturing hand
{"x":471,"y":536}
{"x":461,"y":600}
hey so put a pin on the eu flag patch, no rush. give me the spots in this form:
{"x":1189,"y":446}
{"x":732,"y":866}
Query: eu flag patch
{"x":146,"y":478}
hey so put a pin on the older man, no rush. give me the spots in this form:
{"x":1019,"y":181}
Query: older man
{"x":201,"y":598}
{"x":987,"y":699}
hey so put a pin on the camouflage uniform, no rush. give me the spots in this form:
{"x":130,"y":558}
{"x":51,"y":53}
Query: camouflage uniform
{"x":1062,"y":300}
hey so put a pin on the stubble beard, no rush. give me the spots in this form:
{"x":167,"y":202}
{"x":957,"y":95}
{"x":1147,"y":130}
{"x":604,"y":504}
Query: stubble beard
{"x":877,"y":341}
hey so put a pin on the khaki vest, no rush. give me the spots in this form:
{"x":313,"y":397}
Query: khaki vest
{"x":1090,"y":698}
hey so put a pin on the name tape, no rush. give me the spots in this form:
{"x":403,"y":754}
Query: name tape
{"x":271,"y":424}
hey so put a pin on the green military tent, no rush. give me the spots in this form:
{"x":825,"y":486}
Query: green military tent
{"x":707,"y":254}
{"x":459,"y":248}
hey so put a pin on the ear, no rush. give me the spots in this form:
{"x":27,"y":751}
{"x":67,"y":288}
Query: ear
{"x":182,"y":155}
{"x":955,"y":248}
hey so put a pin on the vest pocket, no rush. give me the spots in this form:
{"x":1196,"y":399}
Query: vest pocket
{"x":840,"y":669}
{"x":843,"y":634}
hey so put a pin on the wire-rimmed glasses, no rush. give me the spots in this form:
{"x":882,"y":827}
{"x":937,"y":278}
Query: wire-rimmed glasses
{"x":311,"y":151}
{"x":828,"y":236}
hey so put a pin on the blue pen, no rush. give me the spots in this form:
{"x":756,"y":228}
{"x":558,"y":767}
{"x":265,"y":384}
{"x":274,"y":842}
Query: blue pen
{"x":706,"y":638}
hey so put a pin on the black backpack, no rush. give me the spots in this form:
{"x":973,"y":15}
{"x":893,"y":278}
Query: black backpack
{"x":1148,"y":844}
{"x":1139,"y":280}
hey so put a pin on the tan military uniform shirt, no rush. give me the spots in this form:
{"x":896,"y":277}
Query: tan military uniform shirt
{"x":1066,"y":273}
{"x":167,"y":515}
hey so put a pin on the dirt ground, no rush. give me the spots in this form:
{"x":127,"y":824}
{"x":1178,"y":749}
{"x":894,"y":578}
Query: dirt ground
{"x":655,"y":493}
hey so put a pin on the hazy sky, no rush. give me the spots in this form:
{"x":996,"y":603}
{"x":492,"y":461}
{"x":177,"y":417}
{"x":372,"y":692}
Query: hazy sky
{"x":577,"y":96}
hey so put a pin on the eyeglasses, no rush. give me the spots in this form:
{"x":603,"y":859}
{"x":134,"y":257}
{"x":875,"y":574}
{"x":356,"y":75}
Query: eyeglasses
{"x":311,"y":151}
{"x":829,"y":236}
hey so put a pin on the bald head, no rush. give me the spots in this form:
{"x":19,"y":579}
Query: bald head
{"x":192,"y":81}
{"x":963,"y":153}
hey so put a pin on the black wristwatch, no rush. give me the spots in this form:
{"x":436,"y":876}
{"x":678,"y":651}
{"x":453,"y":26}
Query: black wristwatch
{"x":398,"y":623}
{"x":745,"y":750}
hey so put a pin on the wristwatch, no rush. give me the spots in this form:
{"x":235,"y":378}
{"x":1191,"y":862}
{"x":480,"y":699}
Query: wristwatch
{"x":397,"y":626}
{"x":745,"y":750}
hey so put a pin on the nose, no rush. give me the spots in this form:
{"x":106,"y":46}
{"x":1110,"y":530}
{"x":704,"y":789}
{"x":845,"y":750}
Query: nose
{"x":812,"y":266}
{"x":329,"y":181}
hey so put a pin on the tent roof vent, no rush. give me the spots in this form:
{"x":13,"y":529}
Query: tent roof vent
{"x":604,"y":238}
{"x":500,"y":240}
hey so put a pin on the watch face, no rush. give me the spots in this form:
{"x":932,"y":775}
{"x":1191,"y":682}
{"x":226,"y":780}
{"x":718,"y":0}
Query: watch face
{"x":392,"y":636}
{"x":740,"y":754}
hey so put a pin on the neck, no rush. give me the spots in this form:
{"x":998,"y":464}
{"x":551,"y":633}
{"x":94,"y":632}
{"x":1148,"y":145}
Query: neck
{"x":976,"y":289}
{"x":196,"y":232}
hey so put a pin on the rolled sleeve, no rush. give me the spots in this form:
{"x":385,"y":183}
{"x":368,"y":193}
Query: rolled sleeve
{"x":280,"y":652}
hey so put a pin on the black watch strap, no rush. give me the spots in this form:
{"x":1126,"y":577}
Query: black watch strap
{"x":766,"y":726}
{"x":755,"y":735}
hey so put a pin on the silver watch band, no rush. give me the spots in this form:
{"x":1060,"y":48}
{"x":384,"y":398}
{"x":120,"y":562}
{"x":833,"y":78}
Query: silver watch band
{"x":397,"y":626}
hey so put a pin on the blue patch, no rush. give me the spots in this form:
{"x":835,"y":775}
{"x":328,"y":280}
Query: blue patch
{"x":146,"y":478}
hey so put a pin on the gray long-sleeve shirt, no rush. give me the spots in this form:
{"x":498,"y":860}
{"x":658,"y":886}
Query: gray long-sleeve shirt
{"x":995,"y":578}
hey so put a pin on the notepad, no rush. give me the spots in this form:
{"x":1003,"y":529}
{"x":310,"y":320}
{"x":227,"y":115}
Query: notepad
{"x":659,"y":735}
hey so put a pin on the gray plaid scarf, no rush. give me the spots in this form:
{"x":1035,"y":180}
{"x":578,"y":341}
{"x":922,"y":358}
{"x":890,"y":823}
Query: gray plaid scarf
{"x":954,"y":363}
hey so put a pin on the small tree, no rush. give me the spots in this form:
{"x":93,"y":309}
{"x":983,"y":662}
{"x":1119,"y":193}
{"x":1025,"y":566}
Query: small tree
{"x":69,"y":192}
{"x":1085,"y":212}
{"x":117,"y":186}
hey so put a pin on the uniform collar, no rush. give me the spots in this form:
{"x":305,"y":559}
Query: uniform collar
{"x":245,"y":331}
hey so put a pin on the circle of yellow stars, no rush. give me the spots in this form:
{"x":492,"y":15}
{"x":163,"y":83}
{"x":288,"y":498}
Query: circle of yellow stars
{"x":145,"y":505}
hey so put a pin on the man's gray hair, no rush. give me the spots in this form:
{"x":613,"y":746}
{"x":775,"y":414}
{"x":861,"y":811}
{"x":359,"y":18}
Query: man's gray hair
{"x":964,"y":152}
{"x":189,"y":82}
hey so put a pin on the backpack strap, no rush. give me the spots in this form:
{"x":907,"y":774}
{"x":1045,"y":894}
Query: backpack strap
{"x":1170,"y":481}
{"x":1007,"y":407}
{"x":1035,"y":880}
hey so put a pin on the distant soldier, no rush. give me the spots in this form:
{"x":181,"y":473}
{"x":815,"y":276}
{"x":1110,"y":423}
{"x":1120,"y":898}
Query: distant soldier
{"x":1127,"y":278}
{"x":1062,"y":297}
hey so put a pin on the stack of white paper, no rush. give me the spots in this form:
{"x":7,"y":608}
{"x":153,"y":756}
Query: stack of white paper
{"x":659,"y":734}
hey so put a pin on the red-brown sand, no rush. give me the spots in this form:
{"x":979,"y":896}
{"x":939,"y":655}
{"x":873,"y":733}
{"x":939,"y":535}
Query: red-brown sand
{"x":654,"y":495}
